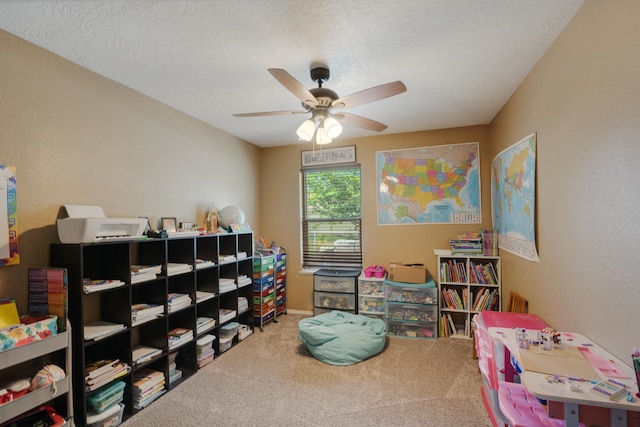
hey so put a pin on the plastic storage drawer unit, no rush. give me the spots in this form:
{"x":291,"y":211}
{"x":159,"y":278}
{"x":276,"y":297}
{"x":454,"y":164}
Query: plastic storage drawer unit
{"x":335,"y":290}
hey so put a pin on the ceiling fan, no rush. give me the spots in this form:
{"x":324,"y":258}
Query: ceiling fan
{"x":322,"y":103}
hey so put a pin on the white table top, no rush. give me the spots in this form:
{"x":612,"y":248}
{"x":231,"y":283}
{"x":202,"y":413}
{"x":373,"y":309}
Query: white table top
{"x":539,"y":384}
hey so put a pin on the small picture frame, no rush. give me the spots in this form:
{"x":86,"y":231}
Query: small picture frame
{"x":169,"y":224}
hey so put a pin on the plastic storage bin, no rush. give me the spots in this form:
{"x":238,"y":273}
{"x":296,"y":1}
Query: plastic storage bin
{"x":204,"y":343}
{"x":414,"y":312}
{"x":229,"y":329}
{"x":225,"y":343}
{"x":412,"y":329}
{"x":333,"y":284}
{"x":336,"y":301}
{"x":109,"y":418}
{"x":426,"y":293}
{"x":100,"y":400}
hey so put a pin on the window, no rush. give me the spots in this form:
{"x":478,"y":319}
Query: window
{"x":331,"y":217}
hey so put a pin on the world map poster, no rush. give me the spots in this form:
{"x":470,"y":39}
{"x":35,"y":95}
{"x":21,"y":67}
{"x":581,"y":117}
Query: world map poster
{"x":513,"y":196}
{"x":429,"y":185}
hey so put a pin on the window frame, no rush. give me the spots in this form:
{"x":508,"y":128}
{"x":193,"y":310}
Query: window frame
{"x":348,"y":256}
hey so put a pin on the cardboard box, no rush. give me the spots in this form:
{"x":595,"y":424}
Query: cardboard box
{"x":407,"y":273}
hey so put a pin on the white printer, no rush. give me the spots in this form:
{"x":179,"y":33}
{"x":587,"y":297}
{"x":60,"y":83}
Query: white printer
{"x":88,"y":224}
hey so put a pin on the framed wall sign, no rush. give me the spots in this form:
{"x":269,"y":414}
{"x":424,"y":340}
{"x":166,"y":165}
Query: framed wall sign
{"x":330,"y":156}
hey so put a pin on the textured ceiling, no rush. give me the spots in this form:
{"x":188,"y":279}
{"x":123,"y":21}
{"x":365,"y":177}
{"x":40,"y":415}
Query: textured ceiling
{"x":461,"y":60}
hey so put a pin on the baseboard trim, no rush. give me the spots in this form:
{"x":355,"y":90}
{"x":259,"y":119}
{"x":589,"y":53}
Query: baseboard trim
{"x":310,"y":313}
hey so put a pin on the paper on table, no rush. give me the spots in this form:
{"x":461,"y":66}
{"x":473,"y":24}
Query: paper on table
{"x":565,"y":361}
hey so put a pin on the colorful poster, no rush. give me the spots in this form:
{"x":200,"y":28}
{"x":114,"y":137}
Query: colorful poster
{"x":8,"y":217}
{"x":513,"y":197}
{"x":429,"y":185}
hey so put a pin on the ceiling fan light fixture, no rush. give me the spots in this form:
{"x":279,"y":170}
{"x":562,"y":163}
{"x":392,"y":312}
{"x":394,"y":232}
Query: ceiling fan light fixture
{"x":321,"y":136}
{"x":332,"y":127}
{"x":306,"y":129}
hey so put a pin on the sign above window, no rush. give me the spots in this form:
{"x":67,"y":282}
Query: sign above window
{"x":331,"y":156}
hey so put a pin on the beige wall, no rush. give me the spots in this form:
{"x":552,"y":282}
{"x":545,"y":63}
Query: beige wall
{"x":78,"y":138}
{"x":381,"y":244}
{"x":583,"y":99}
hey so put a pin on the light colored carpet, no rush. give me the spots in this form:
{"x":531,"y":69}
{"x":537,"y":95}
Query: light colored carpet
{"x":271,"y":379}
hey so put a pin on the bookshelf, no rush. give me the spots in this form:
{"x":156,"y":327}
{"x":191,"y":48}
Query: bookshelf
{"x":185,"y":278}
{"x":467,"y":284}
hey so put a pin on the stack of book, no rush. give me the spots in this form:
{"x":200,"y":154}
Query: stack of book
{"x":244,"y":280}
{"x":227,"y":285}
{"x":101,"y":372}
{"x":101,"y":329}
{"x":203,"y":263}
{"x":178,"y":301}
{"x":179,"y":336}
{"x":144,"y":272}
{"x":203,"y":296}
{"x":174,"y":373}
{"x":95,"y":285}
{"x":48,"y":293}
{"x":174,"y":268}
{"x":143,"y":312}
{"x":490,"y":242}
{"x":204,"y":324}
{"x":148,"y":385}
{"x":243,"y":305}
{"x":226,"y":314}
{"x":226,"y":258}
{"x":143,"y":353}
{"x":469,"y":243}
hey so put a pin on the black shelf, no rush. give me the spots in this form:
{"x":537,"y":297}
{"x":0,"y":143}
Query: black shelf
{"x":113,"y":260}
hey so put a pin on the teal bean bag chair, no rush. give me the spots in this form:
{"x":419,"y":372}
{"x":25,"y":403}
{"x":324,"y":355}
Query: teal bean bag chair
{"x":342,"y":338}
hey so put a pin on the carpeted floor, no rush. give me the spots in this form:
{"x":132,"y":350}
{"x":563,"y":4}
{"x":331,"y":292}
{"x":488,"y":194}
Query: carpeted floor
{"x":271,"y":379}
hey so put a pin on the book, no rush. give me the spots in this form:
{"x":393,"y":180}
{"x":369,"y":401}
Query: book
{"x":143,"y":353}
{"x":203,"y":263}
{"x":145,"y":268}
{"x":120,"y":370}
{"x":203,"y":296}
{"x":8,"y":313}
{"x":150,"y":399}
{"x":178,"y":268}
{"x":95,"y":285}
{"x":142,"y":277}
{"x":98,"y":367}
{"x":143,"y":311}
{"x":47,"y":293}
{"x":204,"y":323}
{"x":179,"y":336}
{"x":101,"y":329}
{"x":145,"y":379}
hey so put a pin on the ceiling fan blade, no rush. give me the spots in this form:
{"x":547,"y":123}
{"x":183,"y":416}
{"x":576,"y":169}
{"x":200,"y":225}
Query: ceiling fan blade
{"x":294,"y":86}
{"x":361,"y":122}
{"x":369,"y":95}
{"x":270,"y":113}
